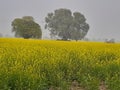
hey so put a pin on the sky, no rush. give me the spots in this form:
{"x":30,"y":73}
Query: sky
{"x":103,"y":16}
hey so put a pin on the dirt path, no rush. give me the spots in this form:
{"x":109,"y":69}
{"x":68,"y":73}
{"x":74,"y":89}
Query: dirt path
{"x":75,"y":86}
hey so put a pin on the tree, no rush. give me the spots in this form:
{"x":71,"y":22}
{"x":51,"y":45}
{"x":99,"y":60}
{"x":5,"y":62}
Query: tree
{"x":110,"y":41}
{"x":28,"y":18}
{"x":66,"y":25}
{"x":1,"y":35}
{"x":26,"y":27}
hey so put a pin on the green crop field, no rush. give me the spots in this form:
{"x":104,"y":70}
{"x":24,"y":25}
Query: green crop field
{"x":58,"y":65}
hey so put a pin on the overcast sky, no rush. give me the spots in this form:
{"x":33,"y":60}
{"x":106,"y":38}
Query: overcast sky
{"x":103,"y":16}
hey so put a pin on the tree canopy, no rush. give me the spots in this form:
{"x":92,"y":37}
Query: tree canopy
{"x":66,"y":25}
{"x":26,"y":27}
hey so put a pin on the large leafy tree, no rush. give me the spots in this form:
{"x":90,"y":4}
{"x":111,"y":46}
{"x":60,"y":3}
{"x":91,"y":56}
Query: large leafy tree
{"x":26,"y":27}
{"x":66,"y":25}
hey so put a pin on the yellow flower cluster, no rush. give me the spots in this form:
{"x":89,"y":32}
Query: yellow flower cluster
{"x":42,"y":64}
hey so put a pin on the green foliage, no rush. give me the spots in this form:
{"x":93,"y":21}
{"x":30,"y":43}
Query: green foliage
{"x":65,"y":25}
{"x":28,"y":18}
{"x":26,"y":28}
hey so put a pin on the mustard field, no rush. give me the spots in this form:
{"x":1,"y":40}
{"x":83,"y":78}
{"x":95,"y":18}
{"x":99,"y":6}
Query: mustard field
{"x":27,"y":64}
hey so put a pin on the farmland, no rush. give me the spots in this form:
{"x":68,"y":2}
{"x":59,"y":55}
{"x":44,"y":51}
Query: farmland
{"x":57,"y":65}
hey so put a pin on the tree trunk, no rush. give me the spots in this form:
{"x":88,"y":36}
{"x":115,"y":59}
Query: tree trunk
{"x":64,"y":38}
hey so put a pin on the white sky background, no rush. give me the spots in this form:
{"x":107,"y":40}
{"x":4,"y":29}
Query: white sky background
{"x":103,"y":16}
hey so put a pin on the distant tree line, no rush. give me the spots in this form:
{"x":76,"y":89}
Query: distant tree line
{"x":61,"y":23}
{"x":110,"y":41}
{"x":1,"y":35}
